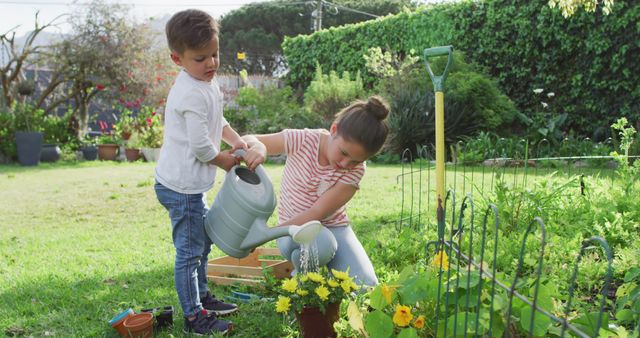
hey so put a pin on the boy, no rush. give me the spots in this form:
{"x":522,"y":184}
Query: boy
{"x":194,"y":127}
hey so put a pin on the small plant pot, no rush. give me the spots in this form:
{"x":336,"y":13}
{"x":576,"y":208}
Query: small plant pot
{"x":117,"y":322}
{"x":132,"y":154}
{"x":108,"y":152}
{"x":140,"y":325}
{"x":50,"y":153}
{"x":90,"y":153}
{"x":151,"y":154}
{"x":315,"y":324}
{"x":163,"y":315}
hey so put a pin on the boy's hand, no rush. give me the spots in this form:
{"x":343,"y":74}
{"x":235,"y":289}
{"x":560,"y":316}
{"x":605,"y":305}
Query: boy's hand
{"x":225,"y":160}
{"x":255,"y":155}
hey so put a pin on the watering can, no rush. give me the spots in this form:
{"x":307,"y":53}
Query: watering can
{"x":237,"y":220}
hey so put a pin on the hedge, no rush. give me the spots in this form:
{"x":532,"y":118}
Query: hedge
{"x":589,"y":61}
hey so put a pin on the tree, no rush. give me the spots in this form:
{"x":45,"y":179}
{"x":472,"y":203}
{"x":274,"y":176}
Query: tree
{"x":107,"y":57}
{"x":258,"y":29}
{"x":17,"y":59}
{"x":569,"y":7}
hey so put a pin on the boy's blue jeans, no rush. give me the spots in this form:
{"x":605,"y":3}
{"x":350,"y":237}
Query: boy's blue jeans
{"x":192,"y":245}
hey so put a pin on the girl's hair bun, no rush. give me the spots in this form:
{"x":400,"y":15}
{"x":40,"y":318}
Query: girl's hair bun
{"x":377,"y":107}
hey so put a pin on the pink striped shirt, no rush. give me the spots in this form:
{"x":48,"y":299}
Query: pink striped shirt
{"x":305,"y":180}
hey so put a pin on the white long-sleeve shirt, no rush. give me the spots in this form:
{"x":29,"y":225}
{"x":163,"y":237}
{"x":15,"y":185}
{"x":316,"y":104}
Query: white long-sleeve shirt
{"x":193,"y":124}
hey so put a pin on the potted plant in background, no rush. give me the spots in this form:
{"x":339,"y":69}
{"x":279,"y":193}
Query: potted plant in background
{"x":108,"y":147}
{"x":89,"y":148}
{"x":151,"y":133}
{"x":132,"y":147}
{"x":314,"y":298}
{"x":127,"y":124}
{"x":59,"y":132}
{"x":29,"y":138}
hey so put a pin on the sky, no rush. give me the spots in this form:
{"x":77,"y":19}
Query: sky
{"x":22,"y":12}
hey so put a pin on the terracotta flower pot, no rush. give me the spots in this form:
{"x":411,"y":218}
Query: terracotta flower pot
{"x":117,"y":322}
{"x":108,"y":152}
{"x":139,"y":325}
{"x":132,"y":154}
{"x":315,"y":324}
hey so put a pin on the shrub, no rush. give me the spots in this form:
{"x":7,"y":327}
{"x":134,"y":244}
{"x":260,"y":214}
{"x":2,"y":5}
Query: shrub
{"x":472,"y":102}
{"x":268,"y":110}
{"x":328,"y":94}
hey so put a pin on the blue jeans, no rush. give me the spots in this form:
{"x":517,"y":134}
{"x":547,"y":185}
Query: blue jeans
{"x":192,"y":245}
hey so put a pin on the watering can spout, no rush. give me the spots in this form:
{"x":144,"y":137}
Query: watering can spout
{"x":260,"y":233}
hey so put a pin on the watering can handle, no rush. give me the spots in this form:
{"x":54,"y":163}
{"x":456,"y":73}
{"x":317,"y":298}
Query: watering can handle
{"x":259,"y":169}
{"x":438,"y":80}
{"x":239,"y":153}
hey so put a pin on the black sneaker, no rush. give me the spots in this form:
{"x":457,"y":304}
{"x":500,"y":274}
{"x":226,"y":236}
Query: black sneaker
{"x":206,"y":324}
{"x":216,"y":306}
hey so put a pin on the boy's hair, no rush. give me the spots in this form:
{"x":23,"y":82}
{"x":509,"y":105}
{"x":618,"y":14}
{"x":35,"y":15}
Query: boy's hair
{"x":190,"y":29}
{"x":365,"y":123}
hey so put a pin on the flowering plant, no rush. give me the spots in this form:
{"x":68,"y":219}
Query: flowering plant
{"x":152,"y":129}
{"x":127,"y":124}
{"x":314,"y":289}
{"x":401,"y":307}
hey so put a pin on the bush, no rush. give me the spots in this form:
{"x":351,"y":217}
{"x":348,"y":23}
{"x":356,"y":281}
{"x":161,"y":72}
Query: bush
{"x":61,"y":130}
{"x":472,"y":102}
{"x":268,"y":110}
{"x":328,"y":94}
{"x":590,"y":60}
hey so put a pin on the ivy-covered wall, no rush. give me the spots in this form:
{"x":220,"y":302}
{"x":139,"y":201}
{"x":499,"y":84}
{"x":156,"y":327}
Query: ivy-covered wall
{"x":589,"y":61}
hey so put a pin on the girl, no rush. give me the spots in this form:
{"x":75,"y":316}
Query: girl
{"x":322,"y":173}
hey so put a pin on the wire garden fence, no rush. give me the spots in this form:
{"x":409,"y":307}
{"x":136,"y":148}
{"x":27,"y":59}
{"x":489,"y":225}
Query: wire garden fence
{"x":475,"y":296}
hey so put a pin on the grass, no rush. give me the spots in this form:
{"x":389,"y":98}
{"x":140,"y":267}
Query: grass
{"x":80,"y":242}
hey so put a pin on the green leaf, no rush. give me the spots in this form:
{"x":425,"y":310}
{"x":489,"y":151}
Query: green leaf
{"x":378,"y":324}
{"x":541,"y":323}
{"x":631,"y":274}
{"x":587,"y":322}
{"x":419,"y":287}
{"x":472,"y":278}
{"x":624,"y":315}
{"x":408,"y":332}
{"x":377,"y":299}
{"x":545,"y":295}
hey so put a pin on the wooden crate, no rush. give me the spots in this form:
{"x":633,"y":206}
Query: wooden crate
{"x":247,"y":271}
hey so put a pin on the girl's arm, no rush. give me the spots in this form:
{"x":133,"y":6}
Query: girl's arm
{"x":262,"y":145}
{"x":332,"y":200}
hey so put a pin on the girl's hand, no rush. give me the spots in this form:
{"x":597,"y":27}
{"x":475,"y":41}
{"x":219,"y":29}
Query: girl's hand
{"x":255,"y":155}
{"x":239,"y":144}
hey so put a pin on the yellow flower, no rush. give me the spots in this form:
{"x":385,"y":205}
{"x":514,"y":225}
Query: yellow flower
{"x":340,"y":274}
{"x":419,"y":323}
{"x":387,"y":292}
{"x":332,"y":283}
{"x":346,"y":285}
{"x":283,"y":304}
{"x":290,"y":285}
{"x":304,"y":278}
{"x":403,"y":315}
{"x":302,"y":292}
{"x":441,"y":258}
{"x":316,"y":277}
{"x":322,"y":292}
